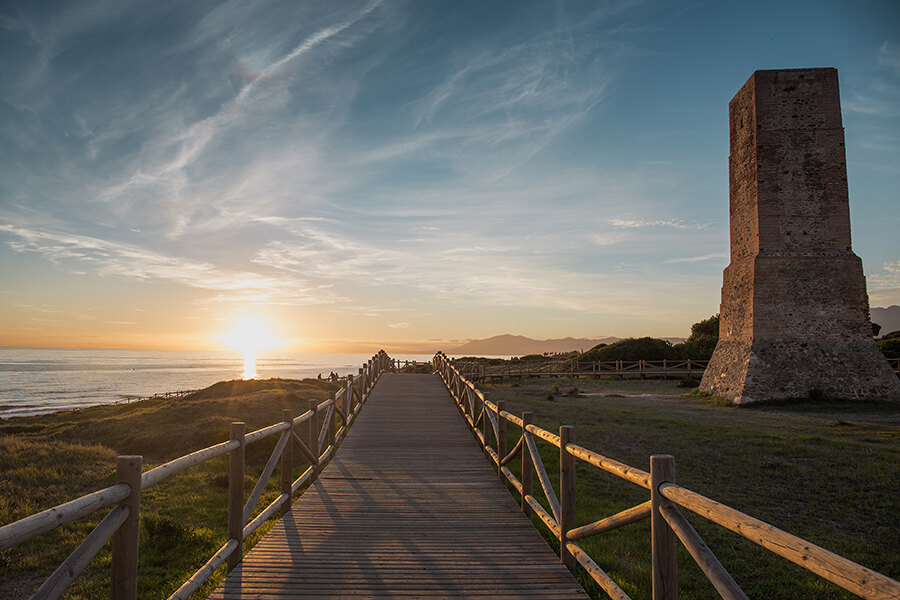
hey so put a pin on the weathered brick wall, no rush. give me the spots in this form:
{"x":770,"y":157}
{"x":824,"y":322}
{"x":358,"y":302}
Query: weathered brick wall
{"x":794,"y":313}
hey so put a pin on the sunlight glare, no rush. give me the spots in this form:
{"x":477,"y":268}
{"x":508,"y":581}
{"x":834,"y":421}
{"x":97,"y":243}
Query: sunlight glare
{"x":251,"y":335}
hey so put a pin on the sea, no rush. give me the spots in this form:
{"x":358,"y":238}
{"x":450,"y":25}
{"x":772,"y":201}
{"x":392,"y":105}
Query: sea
{"x":39,"y":380}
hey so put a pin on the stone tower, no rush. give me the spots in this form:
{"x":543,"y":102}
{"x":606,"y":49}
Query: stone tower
{"x":795,"y":314}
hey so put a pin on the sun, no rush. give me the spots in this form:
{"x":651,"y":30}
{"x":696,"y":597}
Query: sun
{"x":251,"y":335}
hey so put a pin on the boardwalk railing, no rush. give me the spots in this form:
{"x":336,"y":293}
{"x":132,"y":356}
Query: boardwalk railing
{"x":318,"y":444}
{"x":517,"y":369}
{"x":514,"y":370}
{"x":489,"y":424}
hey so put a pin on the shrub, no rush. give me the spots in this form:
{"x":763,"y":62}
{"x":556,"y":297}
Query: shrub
{"x":688,"y":382}
{"x":890,"y":346}
{"x":645,"y":348}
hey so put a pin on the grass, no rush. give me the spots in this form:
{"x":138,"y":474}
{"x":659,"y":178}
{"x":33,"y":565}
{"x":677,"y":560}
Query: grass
{"x":826,"y":471}
{"x":50,"y":459}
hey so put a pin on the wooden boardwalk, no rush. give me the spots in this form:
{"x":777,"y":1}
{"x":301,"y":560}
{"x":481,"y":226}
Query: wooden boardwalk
{"x":408,"y":508}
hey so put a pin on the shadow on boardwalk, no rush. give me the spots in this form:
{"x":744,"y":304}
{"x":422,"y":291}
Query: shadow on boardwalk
{"x":409,"y":507}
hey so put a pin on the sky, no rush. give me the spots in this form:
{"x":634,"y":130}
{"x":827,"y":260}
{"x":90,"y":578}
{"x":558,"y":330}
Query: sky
{"x":400,"y":174}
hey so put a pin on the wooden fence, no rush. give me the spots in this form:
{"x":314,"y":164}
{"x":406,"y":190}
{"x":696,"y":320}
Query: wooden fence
{"x":121,"y":524}
{"x":489,"y":424}
{"x":516,"y":370}
{"x":509,"y":371}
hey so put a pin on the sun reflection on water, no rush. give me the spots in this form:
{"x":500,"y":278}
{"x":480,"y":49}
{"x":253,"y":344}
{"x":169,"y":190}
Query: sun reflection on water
{"x":251,"y":335}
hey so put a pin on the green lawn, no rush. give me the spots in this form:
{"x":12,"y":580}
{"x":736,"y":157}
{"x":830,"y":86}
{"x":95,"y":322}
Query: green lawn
{"x":54,"y":458}
{"x":826,"y":472}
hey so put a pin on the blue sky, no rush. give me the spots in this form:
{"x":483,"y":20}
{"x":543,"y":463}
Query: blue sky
{"x":402,"y":172}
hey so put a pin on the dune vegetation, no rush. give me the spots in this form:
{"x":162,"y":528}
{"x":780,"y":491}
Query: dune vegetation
{"x":50,"y":459}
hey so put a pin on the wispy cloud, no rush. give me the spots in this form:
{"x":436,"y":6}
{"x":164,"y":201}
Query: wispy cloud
{"x":608,"y":238}
{"x":878,"y":96}
{"x":669,"y":223}
{"x":131,"y":262}
{"x":889,"y":277}
{"x":701,"y":258}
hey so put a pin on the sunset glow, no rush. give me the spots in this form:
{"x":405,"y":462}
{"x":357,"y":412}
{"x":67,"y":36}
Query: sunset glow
{"x":251,"y":335}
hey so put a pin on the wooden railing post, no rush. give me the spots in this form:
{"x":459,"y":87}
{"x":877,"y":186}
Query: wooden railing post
{"x":348,"y":403}
{"x":665,"y":565}
{"x":287,"y":461}
{"x":350,"y":391}
{"x":236,"y":494}
{"x":566,"y":494}
{"x":125,"y":540}
{"x":527,"y":467}
{"x":501,"y":437}
{"x":312,"y":429}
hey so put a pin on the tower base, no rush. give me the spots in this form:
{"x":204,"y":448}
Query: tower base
{"x":771,"y":369}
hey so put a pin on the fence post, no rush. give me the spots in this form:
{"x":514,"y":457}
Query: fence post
{"x":665,"y":565}
{"x":348,"y":404}
{"x":287,"y":460}
{"x":566,"y":494}
{"x":312,"y":429}
{"x":125,"y":540}
{"x":527,"y":467}
{"x":236,"y":494}
{"x":350,"y":391}
{"x":501,"y":437}
{"x":486,"y":424}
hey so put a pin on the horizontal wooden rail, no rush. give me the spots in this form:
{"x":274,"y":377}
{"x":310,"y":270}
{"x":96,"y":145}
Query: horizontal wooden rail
{"x":828,"y":565}
{"x":259,"y":434}
{"x":544,"y":434}
{"x":516,"y":369}
{"x":669,"y":524}
{"x":29,"y":528}
{"x":123,"y":517}
{"x":636,"y":476}
{"x":172,"y":468}
{"x":511,"y":418}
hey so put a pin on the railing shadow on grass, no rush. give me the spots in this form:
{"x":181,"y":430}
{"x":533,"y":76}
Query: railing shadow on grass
{"x":323,"y":426}
{"x":488,"y":422}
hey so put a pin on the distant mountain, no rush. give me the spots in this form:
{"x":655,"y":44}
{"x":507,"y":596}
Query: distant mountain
{"x":888,"y":318}
{"x":518,"y":345}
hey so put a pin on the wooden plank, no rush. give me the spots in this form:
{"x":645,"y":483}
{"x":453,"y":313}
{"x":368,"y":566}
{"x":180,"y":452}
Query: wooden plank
{"x":407,"y":508}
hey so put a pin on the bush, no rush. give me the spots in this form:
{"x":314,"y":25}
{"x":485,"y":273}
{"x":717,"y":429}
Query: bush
{"x":645,"y":348}
{"x":702,"y":341}
{"x":688,"y":382}
{"x":890,"y":347}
